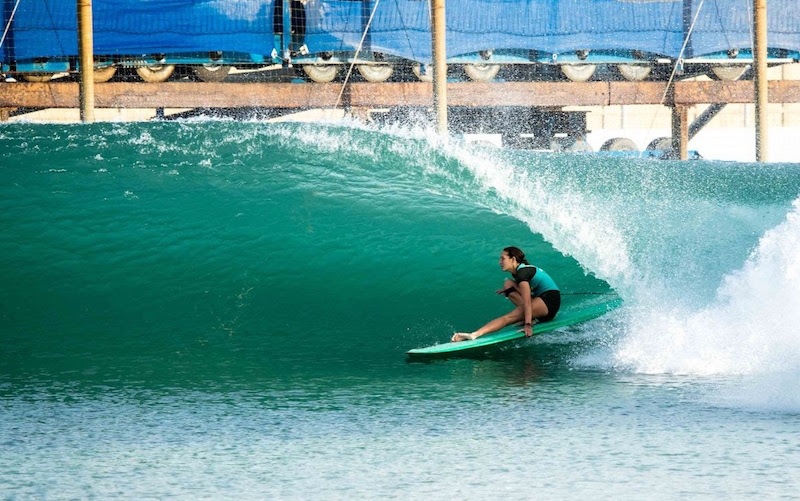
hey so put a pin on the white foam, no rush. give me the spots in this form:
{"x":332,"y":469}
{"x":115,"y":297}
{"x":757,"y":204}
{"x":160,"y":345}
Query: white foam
{"x":575,"y":224}
{"x":752,"y":327}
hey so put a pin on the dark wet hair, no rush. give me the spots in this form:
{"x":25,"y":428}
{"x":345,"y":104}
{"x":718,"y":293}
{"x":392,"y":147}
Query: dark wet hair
{"x":517,"y":254}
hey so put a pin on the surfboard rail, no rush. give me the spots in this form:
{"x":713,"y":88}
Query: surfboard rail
{"x":470,"y":347}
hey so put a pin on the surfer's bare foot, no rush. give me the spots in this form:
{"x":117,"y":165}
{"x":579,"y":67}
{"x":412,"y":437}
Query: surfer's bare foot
{"x":461,"y":336}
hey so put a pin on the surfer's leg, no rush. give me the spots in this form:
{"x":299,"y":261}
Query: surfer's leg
{"x":513,"y":296}
{"x":515,"y":316}
{"x":538,"y":310}
{"x":492,"y":326}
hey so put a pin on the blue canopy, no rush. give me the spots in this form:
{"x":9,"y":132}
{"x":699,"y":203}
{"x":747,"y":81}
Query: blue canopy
{"x":48,"y":28}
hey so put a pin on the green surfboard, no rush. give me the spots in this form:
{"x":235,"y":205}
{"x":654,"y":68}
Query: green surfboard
{"x":564,"y":318}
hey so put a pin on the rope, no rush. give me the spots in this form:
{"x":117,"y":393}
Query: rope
{"x":675,"y":68}
{"x":358,"y":50}
{"x":53,"y":23}
{"x":8,"y":25}
{"x":406,"y":32}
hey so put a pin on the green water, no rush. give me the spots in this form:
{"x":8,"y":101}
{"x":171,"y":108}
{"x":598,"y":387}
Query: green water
{"x":150,"y":258}
{"x":220,"y":309}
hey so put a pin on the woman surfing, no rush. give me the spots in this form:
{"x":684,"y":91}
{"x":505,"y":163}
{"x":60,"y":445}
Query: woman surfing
{"x":535,"y":296}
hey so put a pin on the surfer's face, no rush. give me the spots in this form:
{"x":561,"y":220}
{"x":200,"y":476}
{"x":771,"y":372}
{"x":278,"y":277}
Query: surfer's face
{"x":507,"y":263}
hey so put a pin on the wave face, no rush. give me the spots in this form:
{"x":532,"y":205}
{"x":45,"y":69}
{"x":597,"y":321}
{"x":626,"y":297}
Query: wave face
{"x":214,"y":251}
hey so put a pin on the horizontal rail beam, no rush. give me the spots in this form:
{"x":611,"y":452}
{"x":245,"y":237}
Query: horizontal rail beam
{"x":780,"y":91}
{"x":325,"y":95}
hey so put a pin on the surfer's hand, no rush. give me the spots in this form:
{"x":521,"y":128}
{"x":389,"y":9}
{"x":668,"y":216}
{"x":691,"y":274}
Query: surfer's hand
{"x":527,"y":329}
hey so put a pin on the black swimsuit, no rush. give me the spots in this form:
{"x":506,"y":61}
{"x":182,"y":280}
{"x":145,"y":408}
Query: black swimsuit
{"x":551,"y":296}
{"x":552,"y":299}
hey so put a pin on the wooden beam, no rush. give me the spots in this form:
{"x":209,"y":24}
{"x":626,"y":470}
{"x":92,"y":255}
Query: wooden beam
{"x":173,"y":95}
{"x":784,"y":91}
{"x":545,"y":94}
{"x":364,"y":94}
{"x":624,"y":93}
{"x":291,"y":95}
{"x":713,"y":92}
{"x":393,"y":94}
{"x":737,"y":92}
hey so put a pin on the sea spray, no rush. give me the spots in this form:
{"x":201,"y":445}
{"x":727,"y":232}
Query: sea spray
{"x":751,"y":327}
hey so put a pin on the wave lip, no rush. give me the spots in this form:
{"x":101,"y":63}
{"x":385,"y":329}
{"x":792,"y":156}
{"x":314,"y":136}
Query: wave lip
{"x":751,"y":327}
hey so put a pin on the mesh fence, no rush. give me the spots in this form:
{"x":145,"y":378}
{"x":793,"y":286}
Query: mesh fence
{"x":224,"y":39}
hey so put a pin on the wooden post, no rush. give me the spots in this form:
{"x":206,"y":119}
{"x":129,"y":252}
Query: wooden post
{"x":761,"y":84}
{"x":86,"y":57}
{"x":439,"y":64}
{"x":680,"y":131}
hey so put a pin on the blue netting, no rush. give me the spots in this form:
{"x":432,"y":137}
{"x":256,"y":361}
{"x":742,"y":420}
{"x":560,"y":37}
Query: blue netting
{"x":47,"y":28}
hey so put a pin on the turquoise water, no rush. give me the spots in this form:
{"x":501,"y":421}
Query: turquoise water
{"x":218,"y":309}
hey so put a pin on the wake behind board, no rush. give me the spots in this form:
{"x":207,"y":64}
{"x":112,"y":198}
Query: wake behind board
{"x":470,"y":347}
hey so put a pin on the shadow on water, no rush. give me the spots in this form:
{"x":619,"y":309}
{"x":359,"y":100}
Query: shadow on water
{"x":515,"y":363}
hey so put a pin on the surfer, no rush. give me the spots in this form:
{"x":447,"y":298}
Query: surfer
{"x":533,"y":292}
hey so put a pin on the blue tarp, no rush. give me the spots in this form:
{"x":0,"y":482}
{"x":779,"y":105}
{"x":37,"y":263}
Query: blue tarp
{"x":402,"y":27}
{"x":569,"y":25}
{"x":47,"y":28}
{"x":728,"y":24}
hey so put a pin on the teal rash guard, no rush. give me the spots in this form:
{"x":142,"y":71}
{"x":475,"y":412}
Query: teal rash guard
{"x":540,"y":281}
